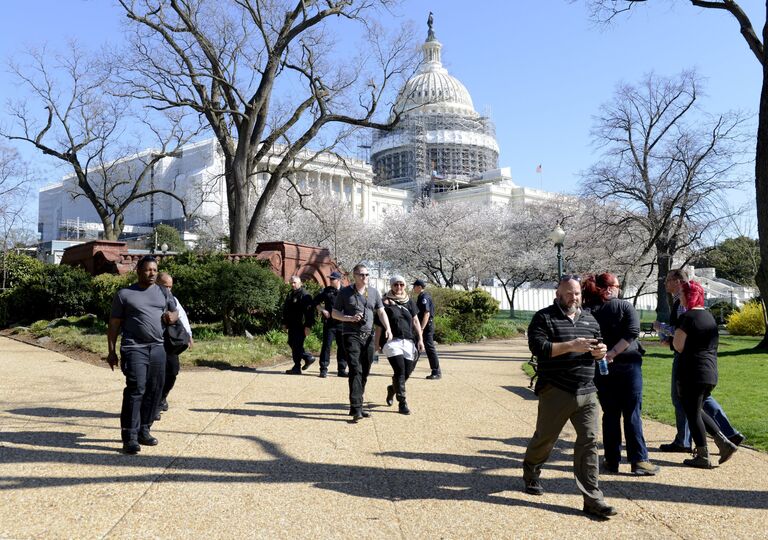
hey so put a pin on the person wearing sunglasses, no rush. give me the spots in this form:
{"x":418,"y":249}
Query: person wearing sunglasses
{"x":562,"y":337}
{"x":402,"y":349}
{"x":354,"y":307}
{"x":620,"y":391}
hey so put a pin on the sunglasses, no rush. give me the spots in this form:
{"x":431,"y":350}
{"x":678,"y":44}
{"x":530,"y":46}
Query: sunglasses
{"x":399,"y":285}
{"x":570,"y":277}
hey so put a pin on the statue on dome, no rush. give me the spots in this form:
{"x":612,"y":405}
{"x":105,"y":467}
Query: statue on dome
{"x":430,"y":22}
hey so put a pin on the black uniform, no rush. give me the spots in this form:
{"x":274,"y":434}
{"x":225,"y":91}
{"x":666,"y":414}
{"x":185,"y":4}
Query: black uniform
{"x":298,"y":314}
{"x":424,"y":304}
{"x":331,"y":331}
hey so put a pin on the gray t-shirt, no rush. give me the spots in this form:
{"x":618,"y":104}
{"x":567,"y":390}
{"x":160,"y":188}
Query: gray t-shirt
{"x":351,"y":302}
{"x":141,"y":311}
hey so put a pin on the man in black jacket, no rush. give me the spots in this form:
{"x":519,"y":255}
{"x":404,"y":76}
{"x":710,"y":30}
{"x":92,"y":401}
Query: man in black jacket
{"x":427,"y":320}
{"x":563,"y":338}
{"x":323,"y":302}
{"x":298,"y":318}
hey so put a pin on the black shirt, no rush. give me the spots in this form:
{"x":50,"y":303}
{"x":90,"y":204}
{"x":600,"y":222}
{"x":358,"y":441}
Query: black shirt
{"x":698,"y":361}
{"x":400,"y":318}
{"x":424,"y":304}
{"x":298,"y":310}
{"x":618,"y":320}
{"x":572,"y":372}
{"x":327,"y":297}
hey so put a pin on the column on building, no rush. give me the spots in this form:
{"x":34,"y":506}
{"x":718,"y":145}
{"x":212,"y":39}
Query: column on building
{"x":355,"y":211}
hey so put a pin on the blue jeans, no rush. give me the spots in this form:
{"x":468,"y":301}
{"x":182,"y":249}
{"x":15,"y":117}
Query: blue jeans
{"x":711,"y":407}
{"x":621,"y":396}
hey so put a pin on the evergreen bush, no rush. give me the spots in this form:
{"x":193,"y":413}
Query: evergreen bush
{"x":105,"y":286}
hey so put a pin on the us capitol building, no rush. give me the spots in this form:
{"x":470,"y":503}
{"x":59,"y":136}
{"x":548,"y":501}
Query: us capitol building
{"x":442,"y":150}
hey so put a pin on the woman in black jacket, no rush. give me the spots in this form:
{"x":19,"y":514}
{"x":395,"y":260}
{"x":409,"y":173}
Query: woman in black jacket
{"x":620,"y":391}
{"x":402,"y":349}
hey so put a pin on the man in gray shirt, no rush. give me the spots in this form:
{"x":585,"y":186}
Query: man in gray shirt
{"x":139,"y":311}
{"x":354,"y":307}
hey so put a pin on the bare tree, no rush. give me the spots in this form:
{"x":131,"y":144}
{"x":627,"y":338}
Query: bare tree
{"x":607,"y":10}
{"x":14,"y":193}
{"x":666,"y":163}
{"x":70,"y":116}
{"x":264,"y":73}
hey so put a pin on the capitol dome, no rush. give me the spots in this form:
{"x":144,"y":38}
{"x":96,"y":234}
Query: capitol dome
{"x":440,"y":142}
{"x":432,"y":88}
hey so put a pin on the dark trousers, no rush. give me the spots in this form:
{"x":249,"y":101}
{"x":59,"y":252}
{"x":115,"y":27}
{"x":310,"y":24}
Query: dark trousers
{"x":710,"y":407}
{"x":692,"y":398}
{"x":144,"y":370}
{"x":556,"y":407}
{"x":332,"y":333}
{"x":621,"y":395}
{"x":296,"y":339}
{"x":359,"y":350}
{"x":402,"y":369}
{"x":428,"y":336}
{"x":171,"y":372}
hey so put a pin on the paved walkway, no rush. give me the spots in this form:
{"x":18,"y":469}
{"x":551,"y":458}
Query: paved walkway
{"x":258,"y":454}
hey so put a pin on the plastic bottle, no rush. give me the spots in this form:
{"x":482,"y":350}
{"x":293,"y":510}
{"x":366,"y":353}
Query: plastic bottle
{"x":602,"y":365}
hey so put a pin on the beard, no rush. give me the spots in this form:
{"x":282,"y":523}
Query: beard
{"x":568,"y":309}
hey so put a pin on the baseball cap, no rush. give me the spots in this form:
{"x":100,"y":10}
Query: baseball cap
{"x":419,"y":283}
{"x":335,"y":275}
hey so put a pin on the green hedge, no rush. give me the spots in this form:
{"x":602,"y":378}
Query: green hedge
{"x":460,"y":315}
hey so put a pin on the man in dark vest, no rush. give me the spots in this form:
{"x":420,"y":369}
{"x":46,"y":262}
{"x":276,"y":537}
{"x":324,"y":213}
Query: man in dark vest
{"x":323,"y":303}
{"x":298,"y":318}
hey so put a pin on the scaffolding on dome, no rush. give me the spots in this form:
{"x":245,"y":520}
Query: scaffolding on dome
{"x":432,"y":153}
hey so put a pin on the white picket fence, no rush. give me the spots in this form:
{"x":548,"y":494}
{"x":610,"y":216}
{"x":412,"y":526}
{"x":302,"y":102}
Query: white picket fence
{"x":527,"y":299}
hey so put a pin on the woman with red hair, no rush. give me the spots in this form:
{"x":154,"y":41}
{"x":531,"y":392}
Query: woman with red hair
{"x":696,"y":339}
{"x":620,"y":391}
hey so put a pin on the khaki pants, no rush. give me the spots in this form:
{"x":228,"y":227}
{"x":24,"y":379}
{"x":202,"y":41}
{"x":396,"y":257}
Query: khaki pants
{"x":556,"y":407}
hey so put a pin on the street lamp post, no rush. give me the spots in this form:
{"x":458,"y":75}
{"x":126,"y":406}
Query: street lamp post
{"x":558,"y":238}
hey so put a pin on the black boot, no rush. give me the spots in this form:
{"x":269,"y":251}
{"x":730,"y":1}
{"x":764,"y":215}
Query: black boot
{"x":700,"y":458}
{"x":726,"y":447}
{"x":403,"y":408}
{"x":390,"y":395}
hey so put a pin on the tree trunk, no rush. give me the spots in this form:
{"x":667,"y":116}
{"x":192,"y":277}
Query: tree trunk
{"x":239,"y":208}
{"x":664,"y":263}
{"x":761,"y":189}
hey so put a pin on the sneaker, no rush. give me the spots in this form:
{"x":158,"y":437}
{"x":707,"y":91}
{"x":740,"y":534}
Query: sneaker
{"x":610,"y":467}
{"x":644,"y":468}
{"x":599,"y":509}
{"x":435,"y":375}
{"x":699,"y":462}
{"x":675,"y":448}
{"x":534,"y":487}
{"x":737,"y":438}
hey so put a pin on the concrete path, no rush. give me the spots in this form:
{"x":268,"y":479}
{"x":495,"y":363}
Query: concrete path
{"x":259,"y":454}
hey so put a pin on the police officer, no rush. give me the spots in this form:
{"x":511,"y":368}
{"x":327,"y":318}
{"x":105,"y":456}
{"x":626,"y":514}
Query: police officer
{"x":298,"y":318}
{"x":323,"y":303}
{"x":426,"y":317}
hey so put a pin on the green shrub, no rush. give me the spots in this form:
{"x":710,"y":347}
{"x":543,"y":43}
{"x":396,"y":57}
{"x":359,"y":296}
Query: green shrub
{"x":495,"y":329}
{"x":444,"y":331}
{"x":15,"y":268}
{"x":747,"y":322}
{"x":207,"y":332}
{"x":276,"y":337}
{"x":105,"y":286}
{"x":443,"y":298}
{"x":50,"y":293}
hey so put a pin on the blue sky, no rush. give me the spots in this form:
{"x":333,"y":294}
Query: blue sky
{"x":541,"y":69}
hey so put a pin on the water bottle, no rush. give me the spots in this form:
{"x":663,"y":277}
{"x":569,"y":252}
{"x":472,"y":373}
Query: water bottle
{"x":602,"y":366}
